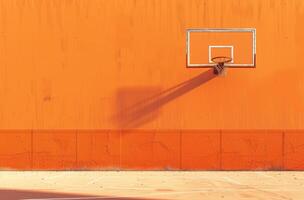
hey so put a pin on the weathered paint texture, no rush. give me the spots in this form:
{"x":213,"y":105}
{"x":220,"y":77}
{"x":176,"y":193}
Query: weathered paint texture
{"x":95,"y":84}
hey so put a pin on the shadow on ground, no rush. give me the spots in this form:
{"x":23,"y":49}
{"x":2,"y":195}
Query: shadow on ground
{"x":39,"y":195}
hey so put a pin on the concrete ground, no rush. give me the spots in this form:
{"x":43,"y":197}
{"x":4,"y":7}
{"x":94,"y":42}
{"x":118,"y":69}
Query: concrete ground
{"x":82,"y":185}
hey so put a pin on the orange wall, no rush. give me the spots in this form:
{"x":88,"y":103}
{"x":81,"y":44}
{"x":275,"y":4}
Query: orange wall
{"x":81,"y":64}
{"x":121,"y":64}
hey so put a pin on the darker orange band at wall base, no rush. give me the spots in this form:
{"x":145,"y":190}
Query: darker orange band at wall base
{"x":152,"y":150}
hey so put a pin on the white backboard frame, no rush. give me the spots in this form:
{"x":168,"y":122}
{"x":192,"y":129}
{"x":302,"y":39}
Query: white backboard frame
{"x":223,"y":30}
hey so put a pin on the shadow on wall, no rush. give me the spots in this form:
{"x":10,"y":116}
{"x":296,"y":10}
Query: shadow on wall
{"x":26,"y":194}
{"x":137,"y":106}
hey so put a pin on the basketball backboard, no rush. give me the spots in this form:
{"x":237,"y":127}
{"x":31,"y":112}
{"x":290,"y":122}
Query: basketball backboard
{"x":205,"y":44}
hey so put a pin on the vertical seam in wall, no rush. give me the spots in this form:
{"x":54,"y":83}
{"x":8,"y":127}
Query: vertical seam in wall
{"x":32,"y":149}
{"x":120,"y":155}
{"x":283,"y":149}
{"x":180,"y":150}
{"x":76,"y":149}
{"x":221,"y":149}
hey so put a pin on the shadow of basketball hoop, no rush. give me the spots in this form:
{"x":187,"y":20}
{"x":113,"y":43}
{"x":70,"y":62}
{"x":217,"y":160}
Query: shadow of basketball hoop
{"x":137,"y":106}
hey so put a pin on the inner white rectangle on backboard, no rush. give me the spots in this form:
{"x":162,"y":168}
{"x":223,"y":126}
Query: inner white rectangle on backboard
{"x":212,"y":55}
{"x":201,"y":43}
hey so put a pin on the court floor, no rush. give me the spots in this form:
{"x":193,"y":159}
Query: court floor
{"x":138,"y":185}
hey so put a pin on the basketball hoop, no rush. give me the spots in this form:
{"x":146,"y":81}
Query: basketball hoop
{"x":219,"y":68}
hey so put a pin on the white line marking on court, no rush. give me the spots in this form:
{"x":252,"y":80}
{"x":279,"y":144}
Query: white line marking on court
{"x":55,"y":176}
{"x":230,"y":180}
{"x":265,"y":175}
